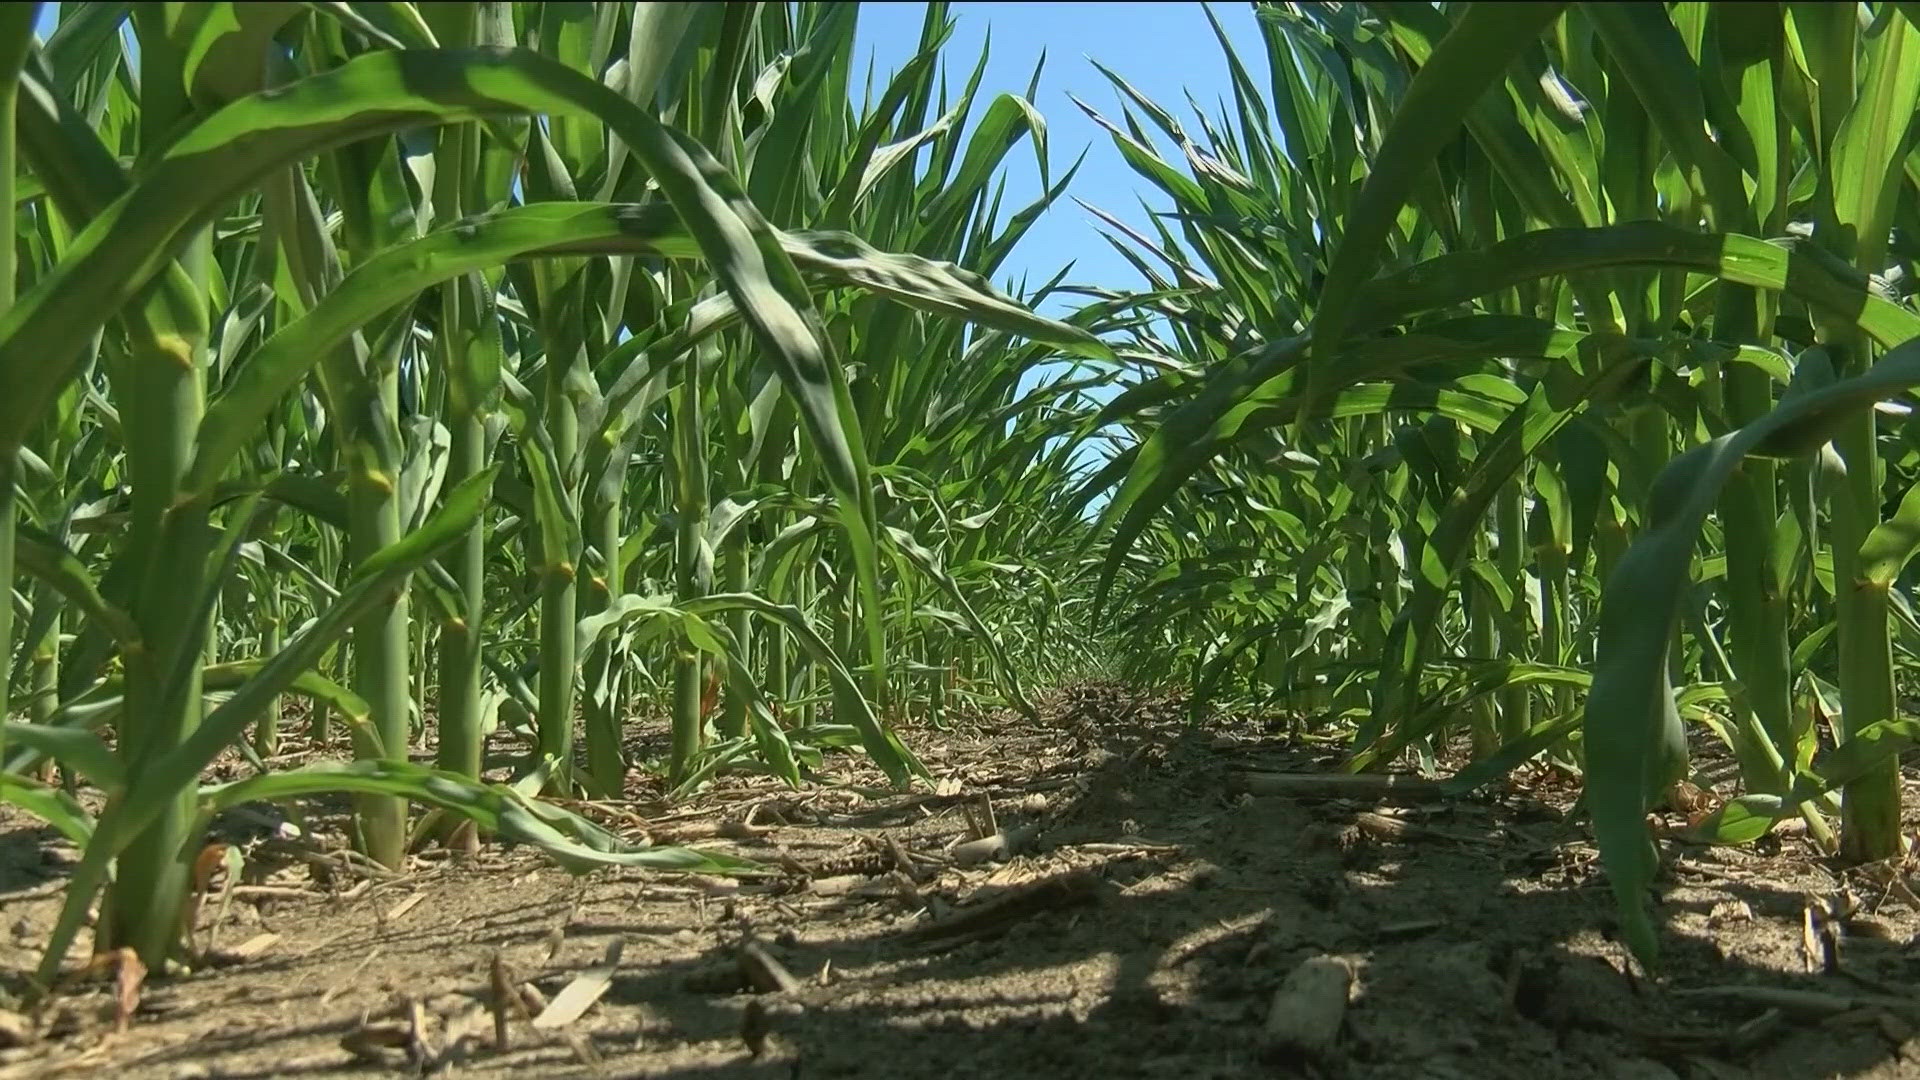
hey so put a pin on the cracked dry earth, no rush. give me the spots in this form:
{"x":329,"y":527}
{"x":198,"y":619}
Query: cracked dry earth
{"x":1148,"y":900}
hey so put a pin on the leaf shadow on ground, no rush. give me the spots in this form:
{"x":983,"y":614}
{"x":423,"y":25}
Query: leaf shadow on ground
{"x":1477,"y":929}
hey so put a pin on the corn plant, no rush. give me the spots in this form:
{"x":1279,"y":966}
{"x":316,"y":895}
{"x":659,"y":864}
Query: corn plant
{"x":1431,"y":311}
{"x":362,"y":317}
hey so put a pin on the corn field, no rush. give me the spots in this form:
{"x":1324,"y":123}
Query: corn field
{"x":448,"y":390}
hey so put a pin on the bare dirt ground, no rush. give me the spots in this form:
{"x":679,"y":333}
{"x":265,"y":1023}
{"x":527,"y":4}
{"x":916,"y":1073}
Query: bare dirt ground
{"x":1150,"y":911}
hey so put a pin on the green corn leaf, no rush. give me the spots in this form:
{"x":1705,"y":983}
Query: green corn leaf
{"x":1651,"y":56}
{"x":776,"y":753}
{"x":47,"y":559}
{"x":76,"y":748}
{"x":373,"y":581}
{"x":885,"y":748}
{"x":929,"y":564}
{"x":1630,"y":726}
{"x":224,"y":45}
{"x":1470,"y":60}
{"x":1264,"y":387}
{"x":570,"y":840}
{"x":1512,"y":754}
{"x":882,"y":745}
{"x":49,"y":804}
{"x":1869,"y":150}
{"x":225,"y":551}
{"x":1790,"y":266}
{"x":549,"y":230}
{"x":1739,"y":821}
{"x":1892,"y":543}
{"x":556,"y":511}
